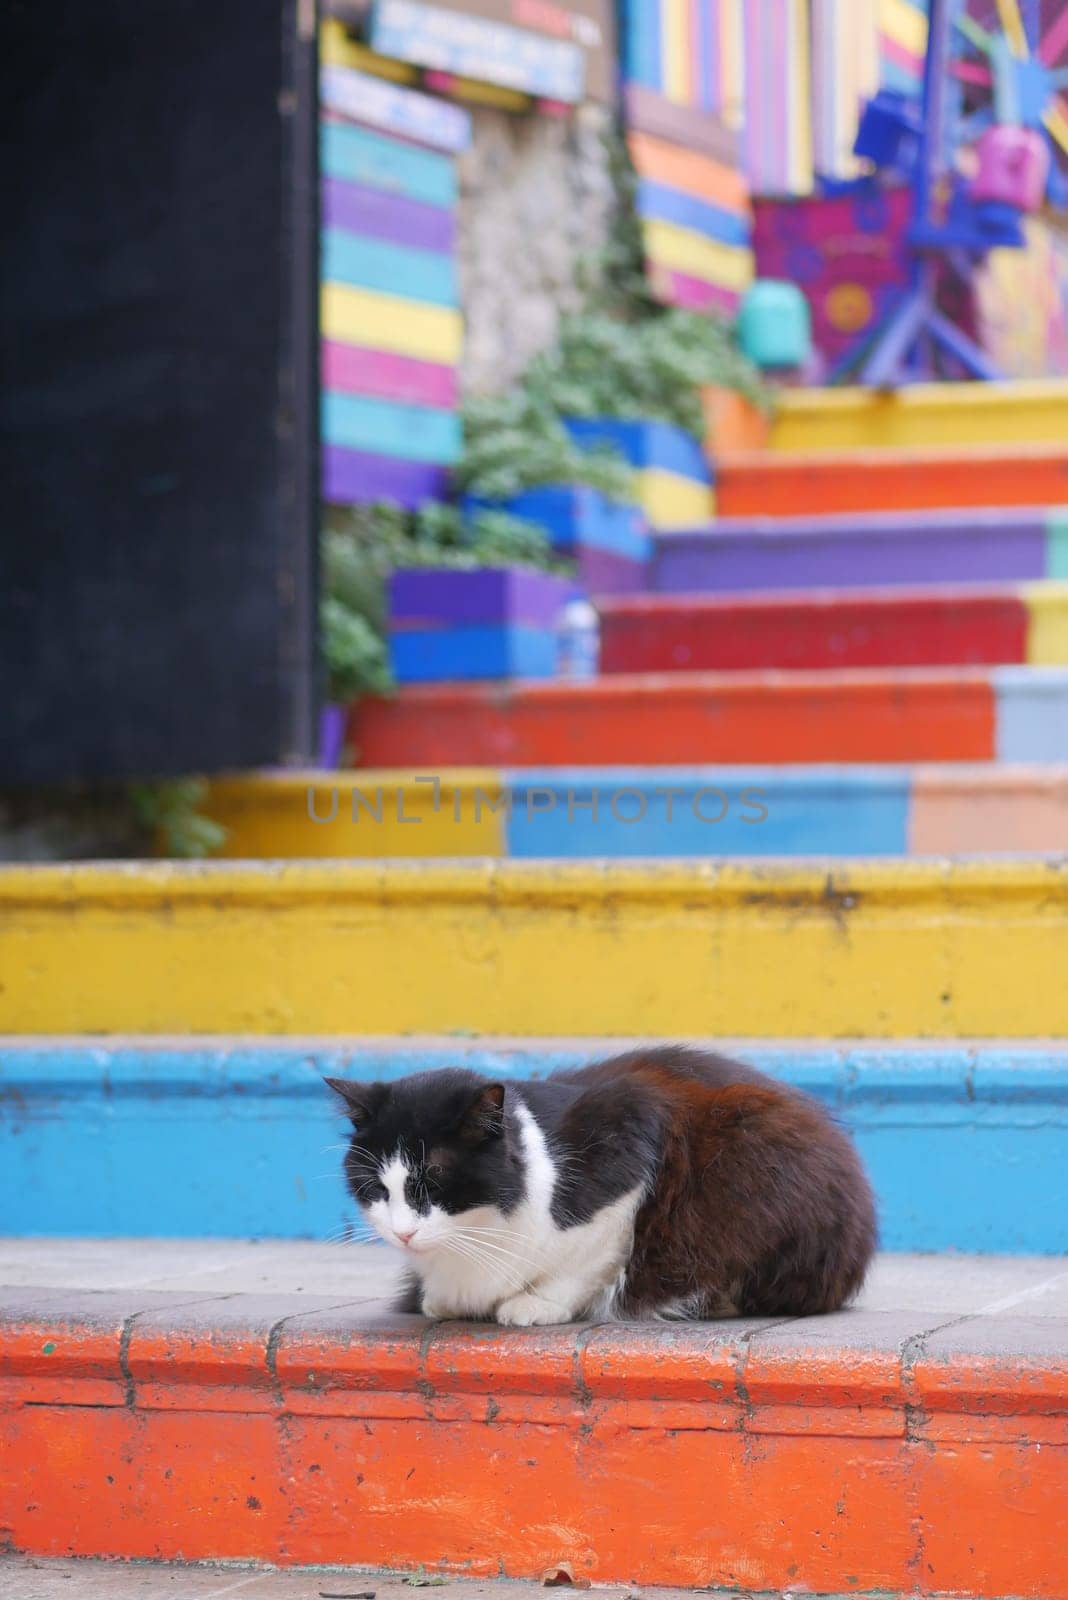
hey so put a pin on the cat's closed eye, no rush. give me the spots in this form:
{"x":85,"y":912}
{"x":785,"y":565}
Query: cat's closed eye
{"x":371,"y":1190}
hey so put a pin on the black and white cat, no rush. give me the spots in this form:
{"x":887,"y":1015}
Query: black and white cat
{"x":665,"y":1183}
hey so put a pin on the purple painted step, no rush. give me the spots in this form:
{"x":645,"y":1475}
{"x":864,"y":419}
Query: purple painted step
{"x":356,"y":477}
{"x":856,"y":549}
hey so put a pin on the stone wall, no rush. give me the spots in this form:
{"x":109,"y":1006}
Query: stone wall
{"x":536,"y":205}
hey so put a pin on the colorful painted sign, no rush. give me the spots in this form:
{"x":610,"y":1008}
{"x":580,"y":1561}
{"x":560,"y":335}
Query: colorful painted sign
{"x":464,"y":45}
{"x":847,"y":255}
{"x":378,"y":104}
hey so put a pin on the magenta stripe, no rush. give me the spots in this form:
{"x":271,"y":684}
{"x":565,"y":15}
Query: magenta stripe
{"x":383,"y":215}
{"x":355,"y":370}
{"x":897,"y":53}
{"x":680,"y":289}
{"x":355,"y":477}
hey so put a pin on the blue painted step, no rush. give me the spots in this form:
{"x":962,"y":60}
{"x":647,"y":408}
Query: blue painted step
{"x":238,"y":1137}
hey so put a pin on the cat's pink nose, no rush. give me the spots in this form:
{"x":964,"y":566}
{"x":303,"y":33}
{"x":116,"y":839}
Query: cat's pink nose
{"x":406,"y":1238}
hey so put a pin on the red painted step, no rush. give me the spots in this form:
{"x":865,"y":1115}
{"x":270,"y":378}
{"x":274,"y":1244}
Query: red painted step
{"x":684,"y":718}
{"x":891,"y":480}
{"x":814,"y":629}
{"x":861,"y":1453}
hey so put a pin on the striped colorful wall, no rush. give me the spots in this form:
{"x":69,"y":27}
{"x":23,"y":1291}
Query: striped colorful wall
{"x":845,"y":72}
{"x":777,"y":138}
{"x":688,"y":51}
{"x":902,"y":26}
{"x":391,"y":322}
{"x":683,"y":70}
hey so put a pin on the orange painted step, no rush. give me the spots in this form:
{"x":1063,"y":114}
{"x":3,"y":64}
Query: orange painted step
{"x":884,"y":480}
{"x":680,"y":718}
{"x":860,"y":1453}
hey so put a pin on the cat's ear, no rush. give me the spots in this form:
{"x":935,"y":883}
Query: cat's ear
{"x":362,"y":1100}
{"x":484,"y":1117}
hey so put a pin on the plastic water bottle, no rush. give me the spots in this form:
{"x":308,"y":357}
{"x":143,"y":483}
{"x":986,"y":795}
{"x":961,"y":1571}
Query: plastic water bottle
{"x":578,"y":641}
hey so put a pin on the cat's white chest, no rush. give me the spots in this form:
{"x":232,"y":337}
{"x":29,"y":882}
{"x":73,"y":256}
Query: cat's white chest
{"x":523,"y":1269}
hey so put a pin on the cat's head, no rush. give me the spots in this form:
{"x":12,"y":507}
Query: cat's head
{"x":430,"y":1155}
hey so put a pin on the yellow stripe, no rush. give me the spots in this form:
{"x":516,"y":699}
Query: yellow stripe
{"x":1012,"y":25}
{"x":360,"y":815}
{"x":1047,"y":623}
{"x":728,"y":265}
{"x":732,"y":43}
{"x":909,"y":948}
{"x":336,"y":49}
{"x":676,"y":50}
{"x":800,"y":89}
{"x":905,"y":25}
{"x":672,"y":501}
{"x":1057,"y":123}
{"x":386,"y":322}
{"x":490,"y":94}
{"x":922,"y":416}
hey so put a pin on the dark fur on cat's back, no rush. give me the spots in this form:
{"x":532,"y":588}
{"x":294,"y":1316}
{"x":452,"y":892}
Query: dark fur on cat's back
{"x":753,"y":1203}
{"x":759,"y":1202}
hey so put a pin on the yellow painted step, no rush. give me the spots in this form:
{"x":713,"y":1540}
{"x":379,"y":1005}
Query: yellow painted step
{"x":926,"y":948}
{"x":923,"y":416}
{"x":359,"y":815}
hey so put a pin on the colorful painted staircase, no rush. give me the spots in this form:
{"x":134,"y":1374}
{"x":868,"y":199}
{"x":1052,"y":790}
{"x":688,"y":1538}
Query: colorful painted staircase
{"x":167,"y":1027}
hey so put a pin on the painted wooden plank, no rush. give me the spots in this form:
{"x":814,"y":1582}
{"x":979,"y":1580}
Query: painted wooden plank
{"x":359,"y":477}
{"x":481,"y":48}
{"x":380,"y":214}
{"x":698,"y":257}
{"x":426,"y":276}
{"x":689,"y":170}
{"x":676,"y":48}
{"x":480,"y":94}
{"x":660,"y":202}
{"x":778,"y":128}
{"x":385,"y":322}
{"x":369,"y":100}
{"x":354,"y":369}
{"x":360,"y":156}
{"x":336,"y":48}
{"x":384,"y":427}
{"x":649,"y":112}
{"x":679,"y":289}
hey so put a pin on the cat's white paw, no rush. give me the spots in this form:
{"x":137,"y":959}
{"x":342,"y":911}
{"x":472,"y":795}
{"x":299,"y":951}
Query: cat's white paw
{"x":529,"y":1310}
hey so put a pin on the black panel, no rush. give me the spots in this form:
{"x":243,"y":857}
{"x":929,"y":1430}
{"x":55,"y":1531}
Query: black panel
{"x":157,"y":334}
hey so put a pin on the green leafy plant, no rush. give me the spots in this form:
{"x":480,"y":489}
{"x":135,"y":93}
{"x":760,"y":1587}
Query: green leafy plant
{"x":655,"y":368}
{"x":168,"y":815}
{"x":356,"y":658}
{"x":517,"y":441}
